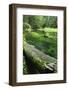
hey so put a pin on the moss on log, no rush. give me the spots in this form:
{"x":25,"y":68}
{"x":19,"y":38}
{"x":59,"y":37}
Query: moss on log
{"x":44,"y":63}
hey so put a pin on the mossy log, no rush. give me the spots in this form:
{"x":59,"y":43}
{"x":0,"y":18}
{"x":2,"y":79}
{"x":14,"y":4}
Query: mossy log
{"x":44,"y":63}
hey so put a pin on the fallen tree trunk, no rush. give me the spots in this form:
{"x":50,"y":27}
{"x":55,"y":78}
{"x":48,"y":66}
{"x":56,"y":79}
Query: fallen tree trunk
{"x":44,"y":63}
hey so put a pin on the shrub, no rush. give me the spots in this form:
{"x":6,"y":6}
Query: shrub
{"x":26,"y":27}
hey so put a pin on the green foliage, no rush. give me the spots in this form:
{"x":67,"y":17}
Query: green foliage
{"x":47,"y":44}
{"x":26,"y":27}
{"x":40,"y":32}
{"x":50,"y":21}
{"x":37,"y":22}
{"x":26,"y":19}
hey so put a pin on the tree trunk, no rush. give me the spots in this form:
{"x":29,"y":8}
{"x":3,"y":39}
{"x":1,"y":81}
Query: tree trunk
{"x":43,"y":63}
